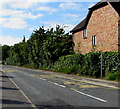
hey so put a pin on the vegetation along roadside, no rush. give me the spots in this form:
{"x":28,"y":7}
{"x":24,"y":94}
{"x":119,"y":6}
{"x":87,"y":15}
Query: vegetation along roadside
{"x":52,"y":49}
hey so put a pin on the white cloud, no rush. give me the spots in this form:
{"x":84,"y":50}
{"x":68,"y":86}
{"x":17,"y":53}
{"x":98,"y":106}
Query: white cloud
{"x":51,"y":0}
{"x":15,"y":19}
{"x":9,"y":40}
{"x":2,"y":21}
{"x":22,"y":5}
{"x":70,"y":6}
{"x":73,"y":15}
{"x":18,"y":13}
{"x":53,"y":24}
{"x":9,"y":12}
{"x":28,"y":15}
{"x":31,"y":29}
{"x":15,"y":4}
{"x":1,"y":5}
{"x":46,"y":8}
{"x":69,"y":27}
{"x":13,"y":23}
{"x":90,"y":5}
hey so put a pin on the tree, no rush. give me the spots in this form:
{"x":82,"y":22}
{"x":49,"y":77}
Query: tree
{"x":46,"y":46}
{"x":23,"y":39}
{"x":35,"y":46}
{"x":43,"y":47}
{"x":5,"y":50}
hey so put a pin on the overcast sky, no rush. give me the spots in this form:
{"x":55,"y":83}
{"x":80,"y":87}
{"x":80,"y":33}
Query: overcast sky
{"x":18,"y":19}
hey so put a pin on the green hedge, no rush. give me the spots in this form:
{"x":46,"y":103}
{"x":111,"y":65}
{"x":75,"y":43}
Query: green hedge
{"x":89,"y":64}
{"x":69,"y":63}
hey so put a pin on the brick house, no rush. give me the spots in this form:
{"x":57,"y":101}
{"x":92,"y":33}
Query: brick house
{"x":99,"y":30}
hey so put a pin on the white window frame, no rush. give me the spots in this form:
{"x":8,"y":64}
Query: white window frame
{"x":85,"y":33}
{"x":94,"y":40}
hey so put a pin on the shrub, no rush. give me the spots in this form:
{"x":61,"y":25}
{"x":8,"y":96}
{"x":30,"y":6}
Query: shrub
{"x":111,"y":62}
{"x":69,"y":63}
{"x":113,"y":76}
{"x":89,"y":64}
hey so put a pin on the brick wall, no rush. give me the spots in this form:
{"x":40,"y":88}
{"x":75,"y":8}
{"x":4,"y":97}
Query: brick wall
{"x":104,"y":24}
{"x":119,"y":34}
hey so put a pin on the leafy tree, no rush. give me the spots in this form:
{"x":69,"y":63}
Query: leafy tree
{"x":35,"y":46}
{"x":43,"y":48}
{"x":46,"y":46}
{"x":18,"y":54}
{"x":5,"y":49}
{"x":23,"y":39}
{"x":0,"y":53}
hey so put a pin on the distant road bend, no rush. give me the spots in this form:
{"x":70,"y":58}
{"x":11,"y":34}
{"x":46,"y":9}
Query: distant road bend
{"x":49,"y":90}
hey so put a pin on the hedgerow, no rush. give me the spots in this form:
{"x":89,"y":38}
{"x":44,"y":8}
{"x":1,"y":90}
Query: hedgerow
{"x":89,"y":65}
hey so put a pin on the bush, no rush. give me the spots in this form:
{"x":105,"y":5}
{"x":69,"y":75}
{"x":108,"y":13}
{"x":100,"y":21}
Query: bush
{"x":111,"y":62}
{"x":113,"y":76}
{"x":89,"y":64}
{"x":69,"y":63}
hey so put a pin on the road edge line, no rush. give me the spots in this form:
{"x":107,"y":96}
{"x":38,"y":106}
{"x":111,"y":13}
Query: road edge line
{"x":22,"y":92}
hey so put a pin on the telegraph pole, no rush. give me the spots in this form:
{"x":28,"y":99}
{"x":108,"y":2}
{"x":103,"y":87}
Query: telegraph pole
{"x":101,"y":62}
{"x":101,"y":73}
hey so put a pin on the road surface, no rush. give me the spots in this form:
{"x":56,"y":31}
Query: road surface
{"x":49,"y":90}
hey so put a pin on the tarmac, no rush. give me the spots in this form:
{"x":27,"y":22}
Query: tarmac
{"x":11,"y":96}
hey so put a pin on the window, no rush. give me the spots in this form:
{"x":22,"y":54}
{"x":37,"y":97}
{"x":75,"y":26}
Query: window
{"x":94,"y":40}
{"x":85,"y":33}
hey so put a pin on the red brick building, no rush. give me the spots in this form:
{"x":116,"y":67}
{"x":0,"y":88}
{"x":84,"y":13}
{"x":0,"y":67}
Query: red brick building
{"x":100,"y":29}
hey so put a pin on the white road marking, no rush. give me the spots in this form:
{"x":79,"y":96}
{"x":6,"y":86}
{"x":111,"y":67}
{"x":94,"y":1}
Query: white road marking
{"x":38,"y":77}
{"x":100,"y":84}
{"x":31,"y":75}
{"x":50,"y":82}
{"x":57,"y":84}
{"x":23,"y":93}
{"x":89,"y":95}
{"x":41,"y":78}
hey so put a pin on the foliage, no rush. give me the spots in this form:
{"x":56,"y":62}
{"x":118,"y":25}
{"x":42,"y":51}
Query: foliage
{"x":52,"y":49}
{"x":18,"y":54}
{"x":89,"y":64}
{"x":111,"y":62}
{"x":0,"y":53}
{"x":46,"y":46}
{"x":69,"y":63}
{"x":42,"y":49}
{"x":113,"y":76}
{"x":5,"y":54}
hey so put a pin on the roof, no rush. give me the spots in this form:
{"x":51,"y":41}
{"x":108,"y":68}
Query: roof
{"x":82,"y":25}
{"x":98,"y":5}
{"x":116,"y":6}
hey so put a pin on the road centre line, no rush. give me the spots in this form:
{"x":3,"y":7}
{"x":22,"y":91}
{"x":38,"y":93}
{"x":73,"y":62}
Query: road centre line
{"x":22,"y":93}
{"x":98,"y":84}
{"x":57,"y":84}
{"x":38,"y":77}
{"x":89,"y":95}
{"x":50,"y":82}
{"x":41,"y":78}
{"x":115,"y":87}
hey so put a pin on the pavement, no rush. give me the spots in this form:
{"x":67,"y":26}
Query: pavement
{"x":52,"y":90}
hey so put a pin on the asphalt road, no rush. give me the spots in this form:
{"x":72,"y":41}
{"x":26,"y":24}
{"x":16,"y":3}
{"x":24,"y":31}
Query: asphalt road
{"x":47,"y":90}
